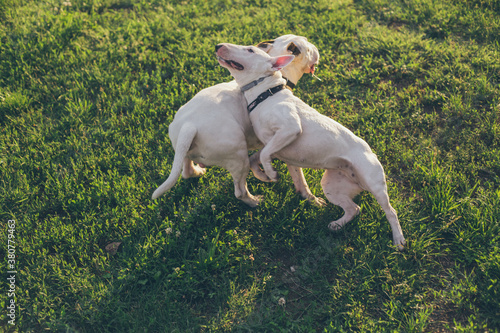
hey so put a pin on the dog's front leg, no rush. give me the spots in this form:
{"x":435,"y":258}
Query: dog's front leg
{"x":282,"y":138}
{"x":301,"y":186}
{"x":255,"y":167}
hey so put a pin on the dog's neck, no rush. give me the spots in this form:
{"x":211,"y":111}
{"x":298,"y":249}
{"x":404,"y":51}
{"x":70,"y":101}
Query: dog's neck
{"x":265,"y":84}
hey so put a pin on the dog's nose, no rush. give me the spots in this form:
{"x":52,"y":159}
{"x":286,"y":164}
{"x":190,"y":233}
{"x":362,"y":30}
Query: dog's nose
{"x":217,"y":47}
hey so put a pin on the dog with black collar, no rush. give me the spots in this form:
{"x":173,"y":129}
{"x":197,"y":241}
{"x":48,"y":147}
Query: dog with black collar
{"x":295,"y":133}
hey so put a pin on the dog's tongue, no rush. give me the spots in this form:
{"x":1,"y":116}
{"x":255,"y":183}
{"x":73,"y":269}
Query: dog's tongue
{"x":231,"y":63}
{"x":312,"y":69}
{"x":235,"y":65}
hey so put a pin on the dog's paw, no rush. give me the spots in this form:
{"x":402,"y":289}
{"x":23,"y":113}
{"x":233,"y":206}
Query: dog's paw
{"x":334,"y":226}
{"x":199,"y":170}
{"x":271,"y":173}
{"x":260,"y":175}
{"x":253,"y":200}
{"x":273,"y":176}
{"x":400,"y":243}
{"x":194,"y":171}
{"x":319,"y":202}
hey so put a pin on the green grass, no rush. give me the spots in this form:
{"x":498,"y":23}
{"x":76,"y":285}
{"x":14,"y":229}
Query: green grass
{"x":86,"y":95}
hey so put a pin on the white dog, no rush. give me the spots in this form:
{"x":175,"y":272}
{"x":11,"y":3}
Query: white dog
{"x":214,"y":127}
{"x":297,"y":134}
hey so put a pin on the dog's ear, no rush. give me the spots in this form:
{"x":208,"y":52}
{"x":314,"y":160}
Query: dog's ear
{"x":279,"y":62}
{"x":293,"y":49}
{"x":266,"y":45}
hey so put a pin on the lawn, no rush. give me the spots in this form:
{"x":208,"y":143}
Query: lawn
{"x":87,"y":91}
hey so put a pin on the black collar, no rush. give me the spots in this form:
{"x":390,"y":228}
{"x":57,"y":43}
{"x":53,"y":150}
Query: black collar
{"x":289,"y":83}
{"x":262,"y":97}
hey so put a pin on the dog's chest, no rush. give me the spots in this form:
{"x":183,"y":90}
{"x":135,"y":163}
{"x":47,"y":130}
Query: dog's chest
{"x":271,"y":117}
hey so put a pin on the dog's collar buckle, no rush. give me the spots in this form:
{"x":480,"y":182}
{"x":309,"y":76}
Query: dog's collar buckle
{"x":262,"y":97}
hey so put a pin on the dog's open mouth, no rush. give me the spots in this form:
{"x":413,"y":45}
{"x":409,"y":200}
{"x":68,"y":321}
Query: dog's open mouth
{"x":230,"y":63}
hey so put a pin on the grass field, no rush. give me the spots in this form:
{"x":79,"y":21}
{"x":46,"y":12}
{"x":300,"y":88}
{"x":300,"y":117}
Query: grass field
{"x":87,"y":91}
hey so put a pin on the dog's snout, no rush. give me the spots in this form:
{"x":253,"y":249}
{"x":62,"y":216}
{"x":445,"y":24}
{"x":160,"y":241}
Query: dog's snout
{"x":217,"y":47}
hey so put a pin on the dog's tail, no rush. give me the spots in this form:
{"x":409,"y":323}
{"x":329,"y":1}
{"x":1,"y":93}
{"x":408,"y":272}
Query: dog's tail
{"x":186,"y":136}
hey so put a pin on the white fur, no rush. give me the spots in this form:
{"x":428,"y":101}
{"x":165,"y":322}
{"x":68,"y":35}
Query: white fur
{"x":297,"y":134}
{"x":214,"y":128}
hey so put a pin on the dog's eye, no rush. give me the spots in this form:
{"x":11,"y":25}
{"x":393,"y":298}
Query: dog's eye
{"x":250,"y":50}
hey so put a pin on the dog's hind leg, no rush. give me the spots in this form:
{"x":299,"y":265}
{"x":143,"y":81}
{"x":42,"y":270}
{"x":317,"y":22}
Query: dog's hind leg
{"x":301,"y":186}
{"x":373,"y":180}
{"x":189,"y":169}
{"x":282,"y":138}
{"x":339,"y":190}
{"x":397,"y":234}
